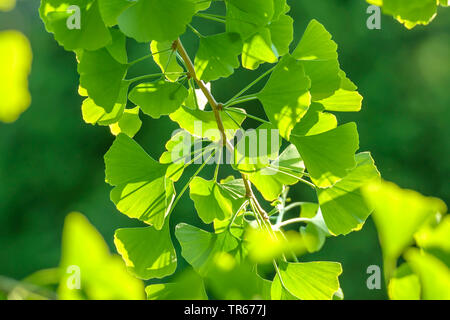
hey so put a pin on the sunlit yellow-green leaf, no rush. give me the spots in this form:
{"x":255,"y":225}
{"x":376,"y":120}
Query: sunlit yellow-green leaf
{"x":434,"y":275}
{"x":311,"y":280}
{"x":7,"y":5}
{"x":330,"y":155}
{"x":404,"y":285}
{"x":343,"y":206}
{"x":286,"y":96}
{"x":129,"y":124}
{"x":166,"y":58}
{"x":141,"y":188}
{"x":399,"y":214}
{"x":85,"y":255}
{"x":15,"y":65}
{"x":147,"y":252}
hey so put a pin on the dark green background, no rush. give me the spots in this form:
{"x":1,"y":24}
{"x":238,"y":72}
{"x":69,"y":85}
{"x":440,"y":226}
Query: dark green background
{"x":51,"y":162}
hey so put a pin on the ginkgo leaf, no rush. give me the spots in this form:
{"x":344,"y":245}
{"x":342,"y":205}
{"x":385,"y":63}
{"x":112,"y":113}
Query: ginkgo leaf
{"x":147,"y":252}
{"x":103,"y":276}
{"x":286,"y":96}
{"x":92,"y":33}
{"x":282,"y":34}
{"x":15,"y":65}
{"x":315,"y":121}
{"x":102,"y":77}
{"x":129,"y":123}
{"x":187,"y":286}
{"x":214,"y":201}
{"x":158,"y":20}
{"x":398,"y":215}
{"x":110,"y":10}
{"x":330,"y":155}
{"x":201,"y":248}
{"x":434,"y":275}
{"x":217,"y":56}
{"x":345,"y":99}
{"x":258,"y":49}
{"x":278,"y":292}
{"x":343,"y":206}
{"x":246,"y":17}
{"x":202,"y":124}
{"x":158,"y":98}
{"x":404,"y":285}
{"x":409,"y":12}
{"x":286,"y":170}
{"x":117,"y":49}
{"x":318,"y":54}
{"x":435,"y":240}
{"x":141,"y":188}
{"x":94,"y":114}
{"x":311,"y":280}
{"x":166,"y":58}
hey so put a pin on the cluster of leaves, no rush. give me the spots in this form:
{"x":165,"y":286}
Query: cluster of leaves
{"x":405,"y":218}
{"x":303,"y":88}
{"x":251,"y":253}
{"x":15,"y":65}
{"x":411,"y":12}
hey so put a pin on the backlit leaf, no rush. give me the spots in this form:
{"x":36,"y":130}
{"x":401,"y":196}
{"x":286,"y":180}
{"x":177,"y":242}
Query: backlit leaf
{"x":343,"y":206}
{"x":311,"y":280}
{"x":286,"y":96}
{"x":158,"y":20}
{"x":217,"y":56}
{"x":158,"y":98}
{"x":147,"y":252}
{"x":330,"y":155}
{"x":141,"y":188}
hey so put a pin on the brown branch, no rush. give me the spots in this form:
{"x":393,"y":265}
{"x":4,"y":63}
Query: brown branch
{"x":217,"y":107}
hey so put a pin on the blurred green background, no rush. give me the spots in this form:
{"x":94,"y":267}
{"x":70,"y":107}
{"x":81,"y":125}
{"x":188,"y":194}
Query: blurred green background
{"x":51,"y":162}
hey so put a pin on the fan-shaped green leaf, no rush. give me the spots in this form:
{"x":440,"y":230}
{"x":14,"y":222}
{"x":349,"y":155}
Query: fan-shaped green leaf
{"x":217,"y":56}
{"x":409,"y":12}
{"x":343,"y":206}
{"x":285,"y":97}
{"x":201,"y":248}
{"x":102,"y":77}
{"x":103,"y":276}
{"x":315,"y":121}
{"x":318,"y":54}
{"x":247,"y":17}
{"x":399,"y":214}
{"x":311,"y":280}
{"x":282,"y":34}
{"x":158,"y":20}
{"x":330,"y":155}
{"x":129,"y":124}
{"x":92,"y":33}
{"x":147,"y":252}
{"x":158,"y":98}
{"x":110,"y":10}
{"x":94,"y":114}
{"x":213,"y":200}
{"x":141,"y":188}
{"x":117,"y":49}
{"x":258,"y":49}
